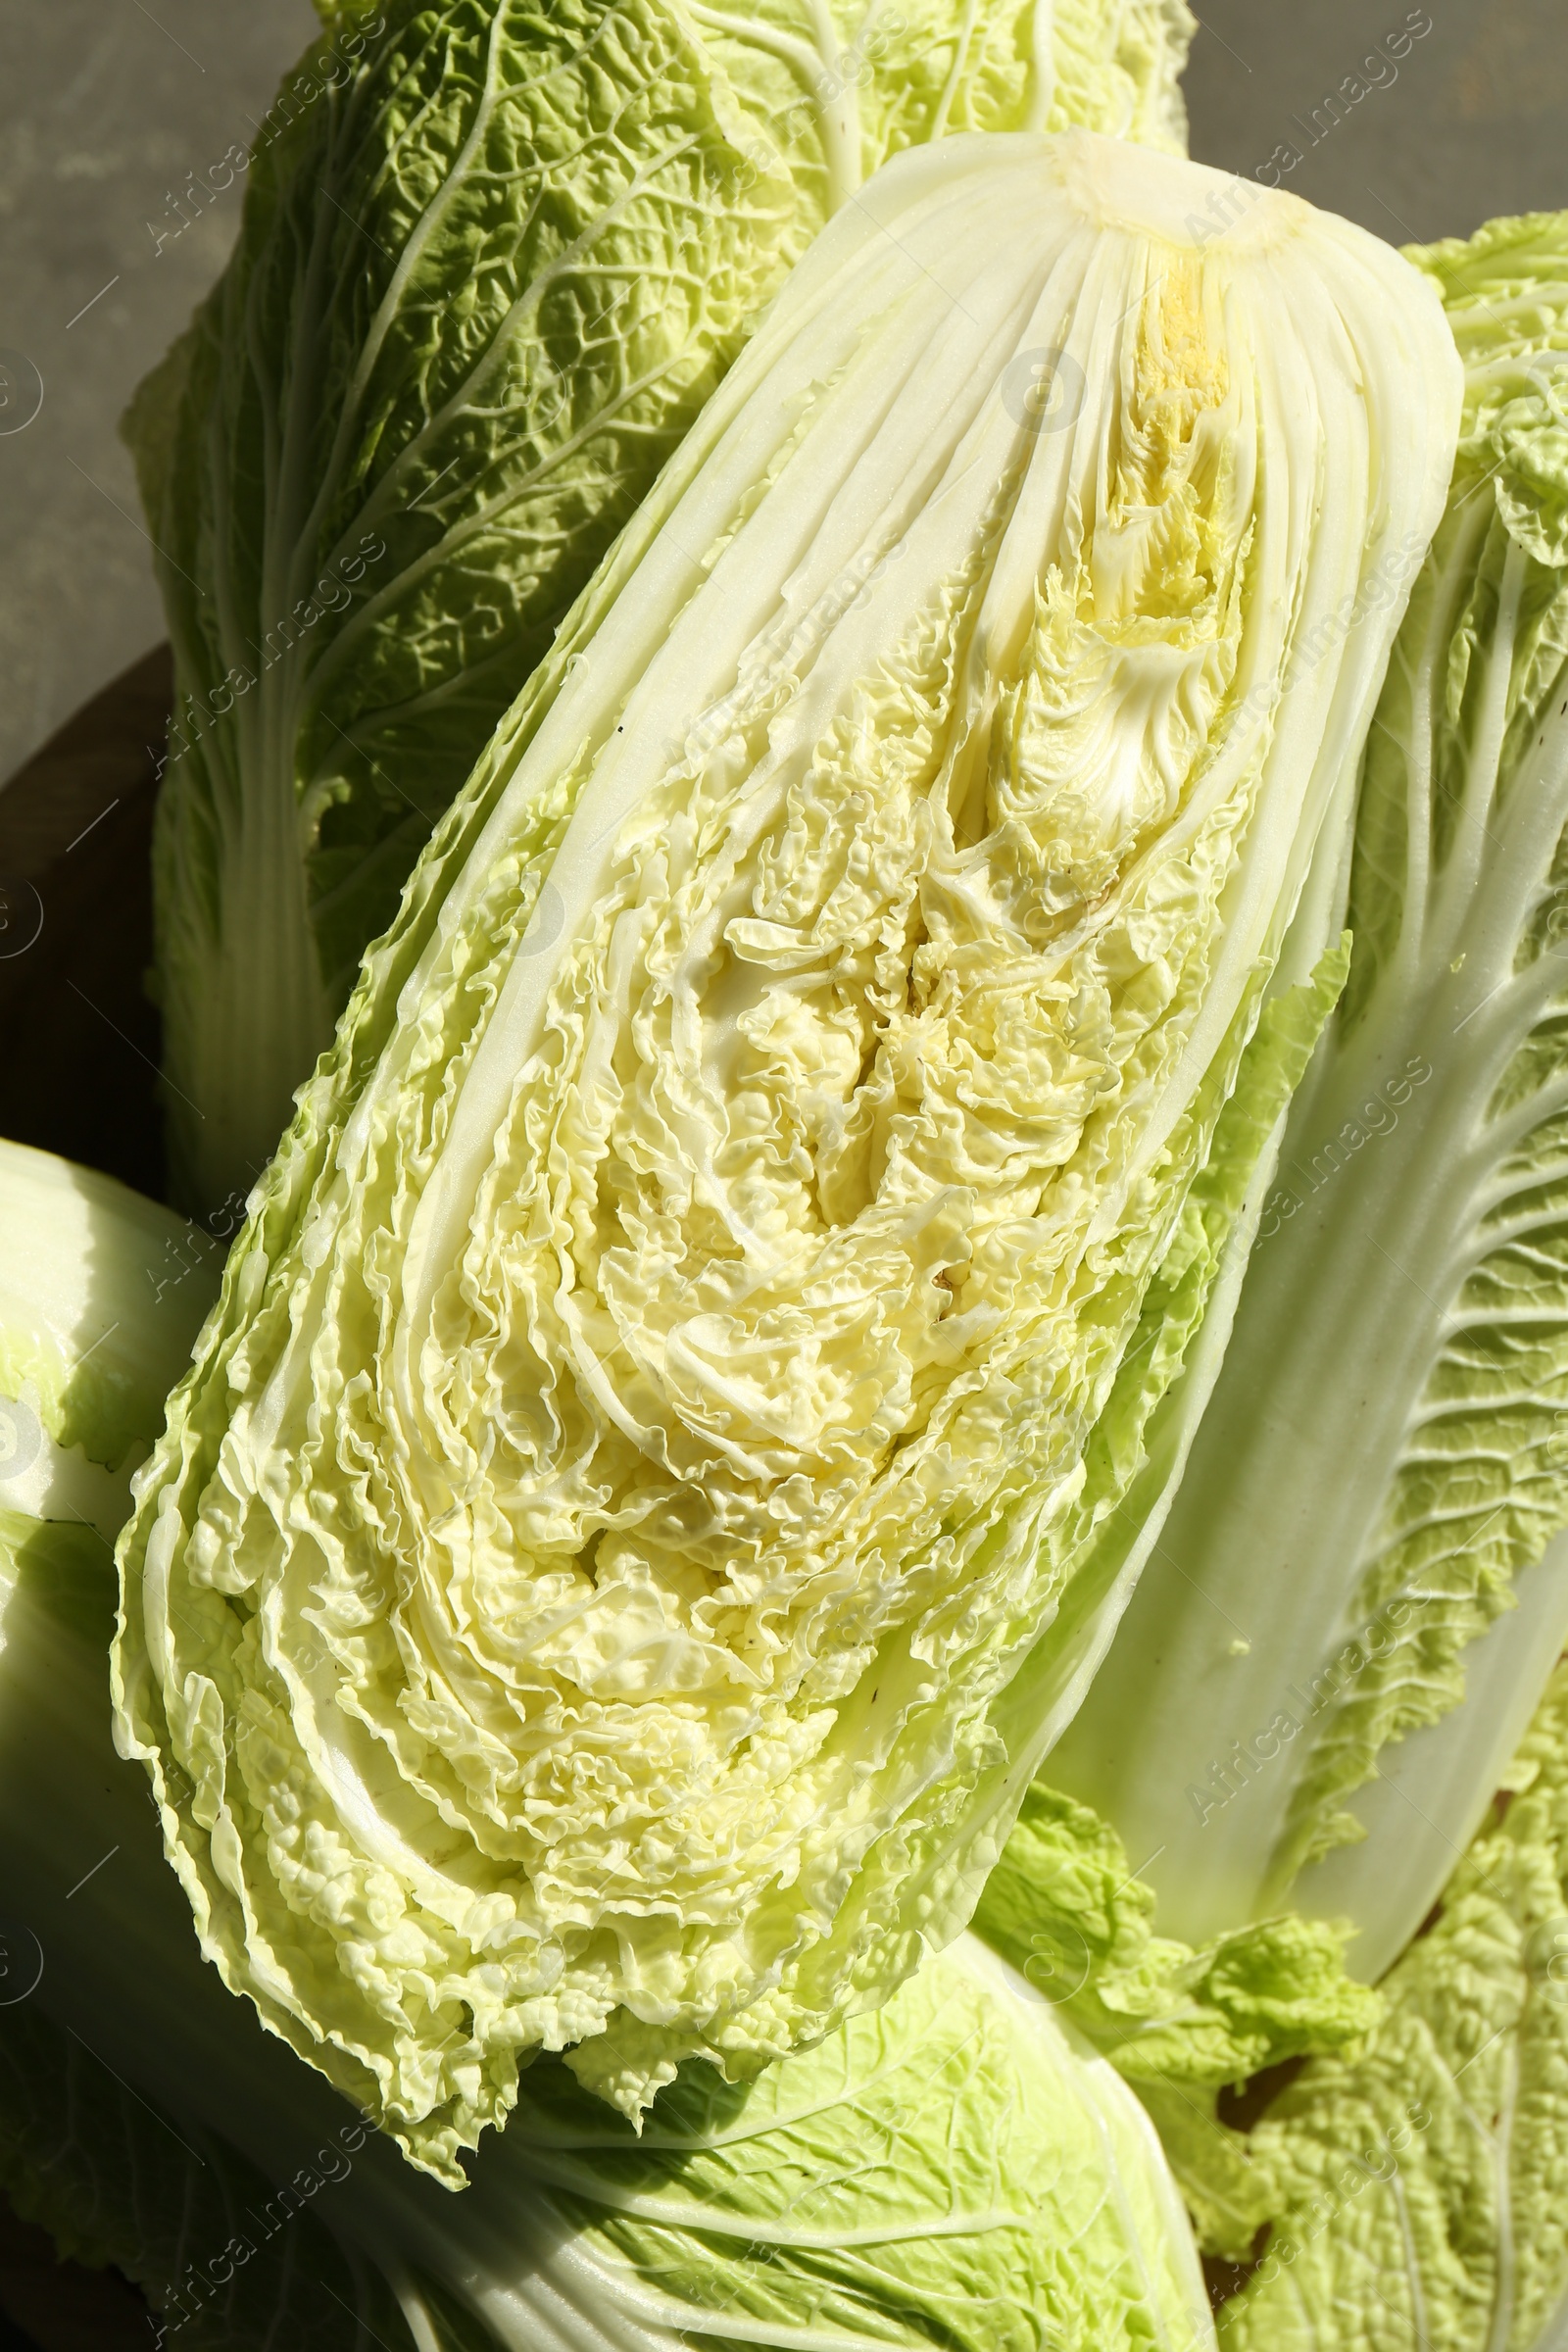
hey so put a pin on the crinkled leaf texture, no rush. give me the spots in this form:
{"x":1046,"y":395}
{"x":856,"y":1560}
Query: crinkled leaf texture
{"x":1179,"y":2024}
{"x":493,"y":258}
{"x":957,"y":2172}
{"x":1382,"y":1458}
{"x":1063,"y":1906}
{"x":956,"y":2169}
{"x":1418,"y":2192}
{"x":954,"y":2173}
{"x":610,"y":1576}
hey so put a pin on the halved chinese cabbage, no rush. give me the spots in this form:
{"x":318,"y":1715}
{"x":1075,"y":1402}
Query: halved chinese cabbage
{"x":610,"y":1575}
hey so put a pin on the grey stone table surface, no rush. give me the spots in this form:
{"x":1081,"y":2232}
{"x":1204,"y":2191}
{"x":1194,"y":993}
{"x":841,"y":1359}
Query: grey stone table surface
{"x":1418,"y":122}
{"x":107,"y":106}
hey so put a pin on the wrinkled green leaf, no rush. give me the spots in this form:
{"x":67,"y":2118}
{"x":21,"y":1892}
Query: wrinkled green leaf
{"x":1418,"y":2192}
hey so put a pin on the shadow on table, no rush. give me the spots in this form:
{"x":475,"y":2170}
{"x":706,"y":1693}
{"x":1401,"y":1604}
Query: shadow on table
{"x":79,"y":1035}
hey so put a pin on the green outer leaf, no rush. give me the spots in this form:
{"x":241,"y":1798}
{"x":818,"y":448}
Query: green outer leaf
{"x":1379,"y":1460}
{"x":492,"y":260}
{"x":952,"y":2171}
{"x":1419,"y":2191}
{"x":1064,"y":1908}
{"x":927,"y":70}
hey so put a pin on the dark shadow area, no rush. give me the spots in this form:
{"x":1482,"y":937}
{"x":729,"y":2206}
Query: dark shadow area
{"x":79,"y":1035}
{"x":51,"y":2306}
{"x":1239,"y":2107}
{"x":1225,"y":2278}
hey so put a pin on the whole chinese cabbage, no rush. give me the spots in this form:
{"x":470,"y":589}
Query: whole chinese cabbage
{"x":493,"y":258}
{"x":612,"y":1569}
{"x":1370,"y":1521}
{"x":955,"y":2170}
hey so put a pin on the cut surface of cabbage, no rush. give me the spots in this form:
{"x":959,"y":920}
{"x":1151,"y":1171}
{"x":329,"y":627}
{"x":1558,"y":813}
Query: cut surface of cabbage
{"x":604,"y":1581}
